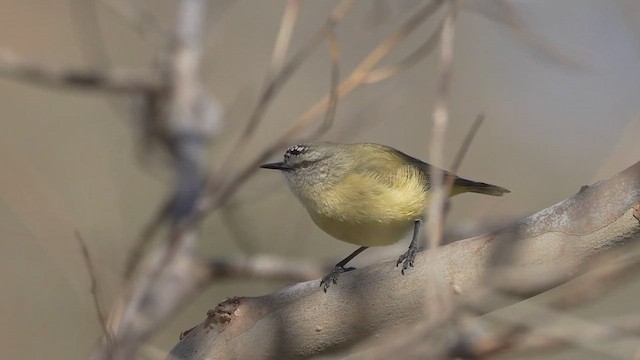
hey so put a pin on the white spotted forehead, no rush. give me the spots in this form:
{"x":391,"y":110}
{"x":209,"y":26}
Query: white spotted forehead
{"x":295,"y":150}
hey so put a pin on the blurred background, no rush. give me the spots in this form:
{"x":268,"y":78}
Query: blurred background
{"x":560,"y":92}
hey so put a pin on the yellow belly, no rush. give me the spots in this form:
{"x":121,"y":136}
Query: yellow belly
{"x":366,"y":233}
{"x":365,"y":211}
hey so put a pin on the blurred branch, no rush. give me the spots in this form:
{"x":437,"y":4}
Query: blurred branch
{"x":388,"y":71}
{"x":283,"y":39}
{"x":530,"y":330}
{"x":265,"y":267}
{"x":280,"y":72}
{"x":171,"y":277}
{"x":440,"y":118}
{"x":114,"y":80}
{"x":334,"y":55}
{"x":276,"y":81}
{"x":464,"y":148}
{"x":301,"y":321}
{"x":174,"y":274}
{"x":149,"y":230}
{"x":542,"y":327}
{"x":220,"y":193}
{"x":560,"y":334}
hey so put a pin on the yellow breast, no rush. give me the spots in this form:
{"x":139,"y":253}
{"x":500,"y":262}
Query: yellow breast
{"x":367,"y":210}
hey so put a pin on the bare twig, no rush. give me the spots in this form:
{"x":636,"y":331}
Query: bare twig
{"x":191,"y":122}
{"x":440,"y":122}
{"x":527,"y":332}
{"x":575,"y":331}
{"x":296,"y":60}
{"x":438,"y":195}
{"x":334,"y":55}
{"x":283,"y":39}
{"x":114,"y":80}
{"x":276,"y":80}
{"x":555,"y":336}
{"x":148,"y":232}
{"x":388,"y":71}
{"x":94,"y":287}
{"x":265,"y":267}
{"x":464,"y":147}
{"x":357,"y":78}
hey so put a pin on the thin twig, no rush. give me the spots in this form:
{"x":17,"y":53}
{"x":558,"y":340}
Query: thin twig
{"x":334,"y":55}
{"x":276,"y":81}
{"x":466,"y":143}
{"x":190,"y":124}
{"x":578,"y":332}
{"x":283,"y":39}
{"x":440,"y":122}
{"x":296,"y":60}
{"x":435,"y":216}
{"x":222,"y":192}
{"x":385,"y":72}
{"x":146,"y":235}
{"x":94,"y":287}
{"x":113,"y":80}
{"x":603,"y":274}
{"x":549,"y":338}
{"x":462,"y":152}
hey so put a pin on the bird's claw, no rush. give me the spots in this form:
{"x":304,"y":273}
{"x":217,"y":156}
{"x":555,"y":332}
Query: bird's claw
{"x":332,"y":277}
{"x":408,"y":258}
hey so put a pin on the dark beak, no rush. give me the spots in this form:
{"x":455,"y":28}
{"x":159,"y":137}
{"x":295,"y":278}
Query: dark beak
{"x":276,"y":166}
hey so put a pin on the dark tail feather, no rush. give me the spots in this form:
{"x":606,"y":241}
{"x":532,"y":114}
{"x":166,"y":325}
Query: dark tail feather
{"x":480,"y":187}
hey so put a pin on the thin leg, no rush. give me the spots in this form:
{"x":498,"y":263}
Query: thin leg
{"x":409,"y":257}
{"x":332,"y":277}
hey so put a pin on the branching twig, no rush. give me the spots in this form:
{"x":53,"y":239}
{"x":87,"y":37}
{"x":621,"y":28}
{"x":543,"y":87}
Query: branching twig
{"x":357,"y":78}
{"x":191,"y":122}
{"x":281,"y":73}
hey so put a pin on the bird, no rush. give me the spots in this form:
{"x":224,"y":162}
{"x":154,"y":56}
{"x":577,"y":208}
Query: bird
{"x":365,"y":194}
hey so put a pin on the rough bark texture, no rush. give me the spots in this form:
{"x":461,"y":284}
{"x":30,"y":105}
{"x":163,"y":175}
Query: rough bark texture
{"x":301,"y":321}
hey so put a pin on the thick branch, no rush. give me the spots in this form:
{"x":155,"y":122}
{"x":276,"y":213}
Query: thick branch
{"x":301,"y":321}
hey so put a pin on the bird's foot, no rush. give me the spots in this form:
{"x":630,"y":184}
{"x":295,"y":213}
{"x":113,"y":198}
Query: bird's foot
{"x":332,"y":277}
{"x":408,"y":258}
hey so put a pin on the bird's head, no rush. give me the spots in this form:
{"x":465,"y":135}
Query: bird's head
{"x":310,"y":167}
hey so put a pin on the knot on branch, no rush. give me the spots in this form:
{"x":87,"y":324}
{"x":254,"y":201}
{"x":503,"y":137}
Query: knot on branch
{"x":224,"y":312}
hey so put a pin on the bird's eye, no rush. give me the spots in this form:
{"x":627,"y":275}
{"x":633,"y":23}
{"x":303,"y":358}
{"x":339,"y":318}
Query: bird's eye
{"x":305,"y":164}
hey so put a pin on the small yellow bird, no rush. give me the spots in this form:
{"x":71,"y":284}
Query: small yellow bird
{"x":365,"y":194}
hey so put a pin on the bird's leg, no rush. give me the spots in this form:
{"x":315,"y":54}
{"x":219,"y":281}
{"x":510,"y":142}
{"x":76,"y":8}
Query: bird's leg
{"x":332,"y":277}
{"x":409,"y":257}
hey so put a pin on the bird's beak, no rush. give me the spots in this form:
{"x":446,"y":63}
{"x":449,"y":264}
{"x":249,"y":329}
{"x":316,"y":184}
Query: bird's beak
{"x":276,"y":166}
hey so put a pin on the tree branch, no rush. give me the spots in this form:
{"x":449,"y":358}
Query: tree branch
{"x":115,"y":80}
{"x":301,"y":321}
